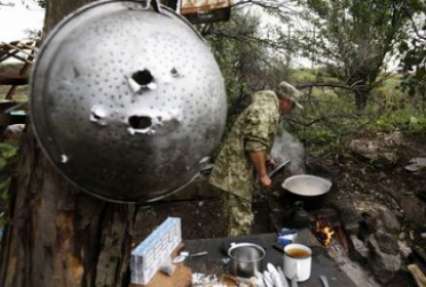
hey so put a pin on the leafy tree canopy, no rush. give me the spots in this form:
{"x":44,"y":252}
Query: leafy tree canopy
{"x":413,"y":49}
{"x":352,"y":38}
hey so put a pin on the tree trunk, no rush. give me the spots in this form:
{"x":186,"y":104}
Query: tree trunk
{"x":57,"y":236}
{"x":361,"y":98}
{"x":362,"y":92}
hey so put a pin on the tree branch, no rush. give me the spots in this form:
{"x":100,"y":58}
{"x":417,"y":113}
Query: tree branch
{"x":241,"y":37}
{"x":414,"y":24}
{"x":352,"y":88}
{"x":263,"y":4}
{"x":323,"y":118}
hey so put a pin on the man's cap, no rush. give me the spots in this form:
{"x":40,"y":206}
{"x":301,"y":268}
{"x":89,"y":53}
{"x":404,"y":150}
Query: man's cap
{"x":286,"y":90}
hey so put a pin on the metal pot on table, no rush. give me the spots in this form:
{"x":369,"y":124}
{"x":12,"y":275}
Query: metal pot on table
{"x":246,"y":259}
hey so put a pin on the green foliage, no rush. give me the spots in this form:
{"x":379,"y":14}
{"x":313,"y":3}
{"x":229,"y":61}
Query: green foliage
{"x":235,"y":52}
{"x":326,"y":120}
{"x":303,"y":76}
{"x":7,"y":152}
{"x":330,"y":120}
{"x":245,"y":58}
{"x":352,"y":38}
{"x":7,"y":159}
{"x":409,"y":122}
{"x":413,"y":50}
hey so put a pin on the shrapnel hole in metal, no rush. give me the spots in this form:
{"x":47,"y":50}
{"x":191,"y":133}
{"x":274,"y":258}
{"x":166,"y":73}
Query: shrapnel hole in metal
{"x":140,"y":122}
{"x":174,"y":72}
{"x":95,"y":116}
{"x":143,"y":77}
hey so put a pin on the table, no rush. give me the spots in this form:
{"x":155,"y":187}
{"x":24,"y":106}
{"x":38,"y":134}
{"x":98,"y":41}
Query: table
{"x":214,"y":262}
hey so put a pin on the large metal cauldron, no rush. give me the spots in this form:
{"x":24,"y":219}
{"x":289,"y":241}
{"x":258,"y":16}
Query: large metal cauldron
{"x":126,"y":100}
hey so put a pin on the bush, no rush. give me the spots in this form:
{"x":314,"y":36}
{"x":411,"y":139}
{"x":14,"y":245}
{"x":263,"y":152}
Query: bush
{"x":329,"y":119}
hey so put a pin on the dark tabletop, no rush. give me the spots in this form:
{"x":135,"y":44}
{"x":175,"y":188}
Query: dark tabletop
{"x":214,"y":262}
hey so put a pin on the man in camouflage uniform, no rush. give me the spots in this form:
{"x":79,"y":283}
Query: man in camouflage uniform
{"x":246,"y":150}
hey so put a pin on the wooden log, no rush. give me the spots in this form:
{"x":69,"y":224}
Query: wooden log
{"x":21,"y":59}
{"x":418,"y":275}
{"x":22,"y":72}
{"x":15,"y":80}
{"x":27,"y":45}
{"x":4,"y":55}
{"x":17,"y":47}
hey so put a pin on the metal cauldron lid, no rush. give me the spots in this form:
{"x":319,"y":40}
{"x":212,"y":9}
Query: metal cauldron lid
{"x":127,"y":101}
{"x":307,"y":185}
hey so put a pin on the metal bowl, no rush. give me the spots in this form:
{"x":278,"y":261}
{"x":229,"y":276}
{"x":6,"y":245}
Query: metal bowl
{"x":306,"y":185}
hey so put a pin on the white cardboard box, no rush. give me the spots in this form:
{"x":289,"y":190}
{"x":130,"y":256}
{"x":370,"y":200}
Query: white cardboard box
{"x":155,"y":250}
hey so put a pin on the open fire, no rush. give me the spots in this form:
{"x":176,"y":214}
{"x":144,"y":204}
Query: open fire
{"x":328,"y":229}
{"x":324,"y":231}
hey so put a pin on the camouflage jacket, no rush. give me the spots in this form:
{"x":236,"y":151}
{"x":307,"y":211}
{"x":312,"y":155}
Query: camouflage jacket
{"x":254,"y":130}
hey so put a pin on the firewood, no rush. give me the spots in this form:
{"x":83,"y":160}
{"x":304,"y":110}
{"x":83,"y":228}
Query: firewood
{"x":418,"y":275}
{"x":21,"y":59}
{"x":7,"y":79}
{"x":7,"y":54}
{"x":17,"y":47}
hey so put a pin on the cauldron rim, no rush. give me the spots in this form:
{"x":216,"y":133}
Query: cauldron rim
{"x":36,"y":119}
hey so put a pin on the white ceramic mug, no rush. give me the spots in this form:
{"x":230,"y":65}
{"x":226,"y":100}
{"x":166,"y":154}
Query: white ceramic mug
{"x":297,"y":262}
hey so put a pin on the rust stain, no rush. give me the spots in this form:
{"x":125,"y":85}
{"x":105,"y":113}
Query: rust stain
{"x":64,"y":229}
{"x":66,"y":259}
{"x":75,"y":268}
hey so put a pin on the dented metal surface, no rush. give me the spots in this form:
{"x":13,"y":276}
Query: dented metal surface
{"x":126,"y":101}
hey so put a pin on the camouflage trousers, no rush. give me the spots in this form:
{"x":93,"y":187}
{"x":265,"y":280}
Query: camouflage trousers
{"x":237,"y":213}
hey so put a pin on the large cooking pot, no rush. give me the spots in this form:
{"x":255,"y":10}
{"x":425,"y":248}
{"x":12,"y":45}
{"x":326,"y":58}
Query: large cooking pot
{"x":306,"y":185}
{"x":127,"y":101}
{"x":309,"y":189}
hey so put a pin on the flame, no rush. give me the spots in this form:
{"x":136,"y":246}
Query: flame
{"x":328,"y":232}
{"x":324,"y":232}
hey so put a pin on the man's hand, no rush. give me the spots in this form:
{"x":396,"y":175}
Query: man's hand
{"x":259,"y":160}
{"x":265,"y":181}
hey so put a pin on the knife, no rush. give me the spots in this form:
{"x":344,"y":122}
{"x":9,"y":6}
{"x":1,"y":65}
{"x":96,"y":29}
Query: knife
{"x":278,"y":168}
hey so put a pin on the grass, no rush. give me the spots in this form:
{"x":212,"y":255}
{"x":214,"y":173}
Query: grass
{"x":20,"y":95}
